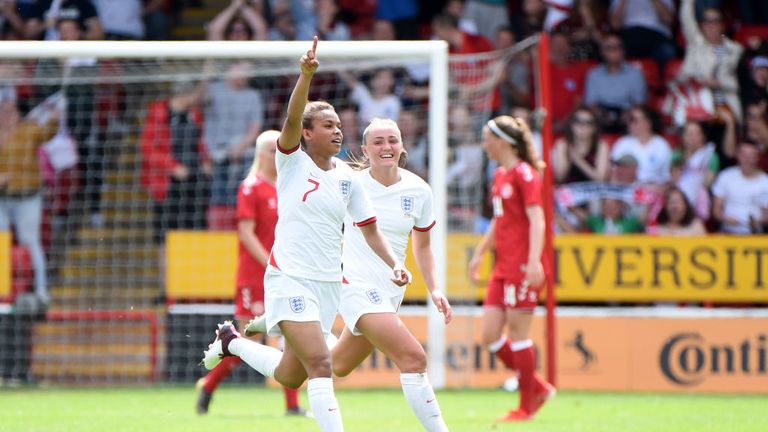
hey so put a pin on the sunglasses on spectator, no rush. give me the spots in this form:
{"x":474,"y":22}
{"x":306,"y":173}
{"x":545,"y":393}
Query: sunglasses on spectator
{"x":583,"y":121}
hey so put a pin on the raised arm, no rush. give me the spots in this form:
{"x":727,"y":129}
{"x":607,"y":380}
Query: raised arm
{"x":291,"y":132}
{"x":218,"y":25}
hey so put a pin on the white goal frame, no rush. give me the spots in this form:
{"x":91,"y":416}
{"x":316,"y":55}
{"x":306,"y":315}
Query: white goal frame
{"x":436,"y":52}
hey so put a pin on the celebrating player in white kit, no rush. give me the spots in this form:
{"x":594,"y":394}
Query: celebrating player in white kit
{"x":369,"y":300}
{"x":303,"y":281}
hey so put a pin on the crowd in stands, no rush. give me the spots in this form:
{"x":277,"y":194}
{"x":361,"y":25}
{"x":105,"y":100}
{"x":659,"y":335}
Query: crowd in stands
{"x":660,"y":106}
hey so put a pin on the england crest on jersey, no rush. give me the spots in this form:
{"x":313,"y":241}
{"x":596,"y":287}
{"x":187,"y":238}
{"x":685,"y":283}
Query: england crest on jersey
{"x":374,"y":296}
{"x":345,"y":186}
{"x":297,"y":304}
{"x":406,"y":203}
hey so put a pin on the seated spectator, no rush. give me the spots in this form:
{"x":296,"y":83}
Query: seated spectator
{"x":698,"y":165}
{"x":121,"y":19}
{"x":330,"y":26}
{"x":174,"y":162}
{"x":614,"y":86}
{"x":377,"y":102}
{"x":651,"y":150}
{"x":516,"y":82}
{"x":754,"y":87}
{"x":46,"y":14}
{"x":21,"y":197}
{"x":567,"y":82}
{"x":741,"y":194}
{"x":238,"y":22}
{"x":710,"y":57}
{"x":646,"y":28}
{"x":350,"y":129}
{"x":383,"y":30}
{"x":414,"y":141}
{"x":756,"y":131}
{"x":581,"y":155}
{"x":614,"y":218}
{"x":677,"y":217}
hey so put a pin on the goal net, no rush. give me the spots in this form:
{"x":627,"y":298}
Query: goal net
{"x":123,"y":173}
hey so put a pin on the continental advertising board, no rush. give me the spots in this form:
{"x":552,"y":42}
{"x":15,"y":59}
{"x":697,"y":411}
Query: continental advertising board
{"x":633,"y":352}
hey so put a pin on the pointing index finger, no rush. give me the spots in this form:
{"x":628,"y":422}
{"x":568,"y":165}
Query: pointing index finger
{"x":314,"y":45}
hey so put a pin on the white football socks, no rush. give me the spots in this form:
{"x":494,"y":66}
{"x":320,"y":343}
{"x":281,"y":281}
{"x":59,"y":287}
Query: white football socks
{"x":324,"y":405}
{"x":263,"y":358}
{"x":421,"y":397}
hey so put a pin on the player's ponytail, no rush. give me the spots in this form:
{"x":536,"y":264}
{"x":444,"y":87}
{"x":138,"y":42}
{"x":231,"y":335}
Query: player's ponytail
{"x":516,"y":132}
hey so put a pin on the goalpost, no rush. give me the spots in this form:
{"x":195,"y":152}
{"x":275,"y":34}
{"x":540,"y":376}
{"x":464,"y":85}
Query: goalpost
{"x":102,"y":255}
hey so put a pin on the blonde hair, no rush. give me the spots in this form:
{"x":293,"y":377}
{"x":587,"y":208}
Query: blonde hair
{"x":261,"y":143}
{"x":376,"y":122}
{"x":517,"y":129}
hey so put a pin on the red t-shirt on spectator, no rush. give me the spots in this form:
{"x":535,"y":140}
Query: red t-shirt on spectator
{"x":567,"y":89}
{"x":474,"y":72}
{"x":513,"y":191}
{"x":256,"y":200}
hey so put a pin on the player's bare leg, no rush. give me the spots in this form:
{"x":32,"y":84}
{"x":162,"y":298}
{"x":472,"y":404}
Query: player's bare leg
{"x":387,"y":332}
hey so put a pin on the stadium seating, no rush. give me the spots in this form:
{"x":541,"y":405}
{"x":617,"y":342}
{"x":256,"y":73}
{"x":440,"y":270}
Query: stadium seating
{"x":746,"y":32}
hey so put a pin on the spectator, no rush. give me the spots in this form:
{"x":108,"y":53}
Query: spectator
{"x":651,"y":151}
{"x":581,"y":155}
{"x":531,"y":20}
{"x":283,"y":27}
{"x":465,"y":169}
{"x":677,"y":217}
{"x":515,"y":83}
{"x":174,"y":163}
{"x":21,"y":198}
{"x":754,"y":87}
{"x":383,"y":30}
{"x":46,"y":14}
{"x":710,"y":57}
{"x":488,"y":15}
{"x":567,"y":82}
{"x":585,"y":27}
{"x":756,"y":131}
{"x":646,"y":28}
{"x":415,"y":142}
{"x":378,"y":101}
{"x":157,"y":16}
{"x":329,"y":24}
{"x":121,"y":19}
{"x":403,"y":14}
{"x":234,"y":115}
{"x":238,"y":22}
{"x":695,"y":167}
{"x":614,"y":86}
{"x":351,"y":131}
{"x":12,"y":26}
{"x":741,"y":194}
{"x":457,"y":10}
{"x":614,"y":218}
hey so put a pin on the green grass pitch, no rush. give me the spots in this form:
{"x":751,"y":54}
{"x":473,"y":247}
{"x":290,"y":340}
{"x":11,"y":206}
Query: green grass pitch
{"x":240,"y":408}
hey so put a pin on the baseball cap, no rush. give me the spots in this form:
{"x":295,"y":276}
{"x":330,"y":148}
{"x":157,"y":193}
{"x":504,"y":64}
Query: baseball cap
{"x":626,"y":160}
{"x":759,"y":61}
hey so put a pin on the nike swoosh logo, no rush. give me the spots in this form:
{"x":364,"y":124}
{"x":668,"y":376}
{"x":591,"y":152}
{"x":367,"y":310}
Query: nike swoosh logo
{"x":430,"y":400}
{"x":332,"y":409}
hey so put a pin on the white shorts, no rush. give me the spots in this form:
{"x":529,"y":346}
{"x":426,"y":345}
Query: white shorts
{"x":360,"y":298}
{"x":288,"y":298}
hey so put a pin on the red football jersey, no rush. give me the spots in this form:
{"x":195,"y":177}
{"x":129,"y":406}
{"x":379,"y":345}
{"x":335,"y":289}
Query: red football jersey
{"x":513,"y":191}
{"x":257,"y":200}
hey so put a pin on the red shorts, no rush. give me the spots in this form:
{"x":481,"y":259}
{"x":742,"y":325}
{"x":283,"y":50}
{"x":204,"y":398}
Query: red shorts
{"x":249,"y":302}
{"x":511,"y":293}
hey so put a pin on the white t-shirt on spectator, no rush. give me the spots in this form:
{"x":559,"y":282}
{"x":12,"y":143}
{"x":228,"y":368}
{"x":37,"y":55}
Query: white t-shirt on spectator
{"x":654,"y":158}
{"x":641,"y":13}
{"x":369,"y":108}
{"x":121,"y":17}
{"x":742,"y":197}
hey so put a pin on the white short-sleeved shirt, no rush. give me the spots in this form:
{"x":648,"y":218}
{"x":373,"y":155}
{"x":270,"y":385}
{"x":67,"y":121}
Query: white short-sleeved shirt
{"x":400,"y":208}
{"x":387,"y":107}
{"x":653,"y":158}
{"x":311,"y":206}
{"x":742,"y":197}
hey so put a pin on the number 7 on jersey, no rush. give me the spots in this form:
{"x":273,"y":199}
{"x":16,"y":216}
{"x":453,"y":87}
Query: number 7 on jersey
{"x":315,"y":186}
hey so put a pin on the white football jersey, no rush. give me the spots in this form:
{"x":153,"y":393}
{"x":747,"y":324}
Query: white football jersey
{"x":400,"y":208}
{"x":311,"y":206}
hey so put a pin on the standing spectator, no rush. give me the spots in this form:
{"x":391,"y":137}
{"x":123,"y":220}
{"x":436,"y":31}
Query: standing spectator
{"x":698,"y":164}
{"x":234,"y":115}
{"x":47,"y":13}
{"x":488,"y":15}
{"x":581,"y":155}
{"x":238,"y":22}
{"x":677,"y":217}
{"x":121,"y":19}
{"x":614,"y":86}
{"x":710,"y":57}
{"x":652,"y":152}
{"x":174,"y":163}
{"x":21,"y":198}
{"x":741,"y":194}
{"x":646,"y":27}
{"x":377,"y":102}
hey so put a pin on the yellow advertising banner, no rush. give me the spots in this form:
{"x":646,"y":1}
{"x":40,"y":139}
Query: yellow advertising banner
{"x":618,"y":353}
{"x":200,"y":265}
{"x":5,"y":264}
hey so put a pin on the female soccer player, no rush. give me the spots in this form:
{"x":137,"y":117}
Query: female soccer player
{"x":517,"y":234}
{"x":303,"y":279}
{"x":369,"y":299}
{"x":257,"y":216}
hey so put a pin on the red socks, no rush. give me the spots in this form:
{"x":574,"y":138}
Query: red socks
{"x":291,"y":398}
{"x":221,"y":371}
